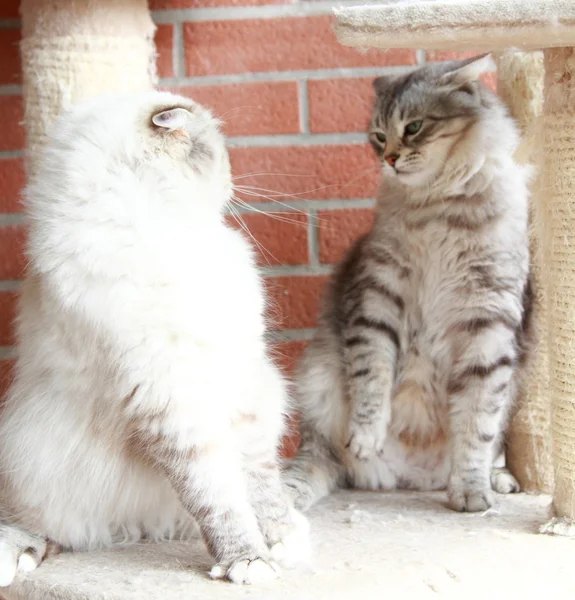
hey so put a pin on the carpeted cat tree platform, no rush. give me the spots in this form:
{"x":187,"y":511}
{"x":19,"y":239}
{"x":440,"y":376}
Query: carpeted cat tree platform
{"x":369,"y":544}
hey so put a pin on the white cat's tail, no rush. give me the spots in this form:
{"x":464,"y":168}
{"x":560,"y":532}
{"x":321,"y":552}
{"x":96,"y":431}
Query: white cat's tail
{"x":20,"y":552}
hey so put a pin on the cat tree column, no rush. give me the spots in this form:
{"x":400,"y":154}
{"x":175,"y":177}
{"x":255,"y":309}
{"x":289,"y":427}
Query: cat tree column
{"x":497,"y":25}
{"x":75,"y":49}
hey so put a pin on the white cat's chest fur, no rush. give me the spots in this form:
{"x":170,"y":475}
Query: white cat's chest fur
{"x":191,"y":298}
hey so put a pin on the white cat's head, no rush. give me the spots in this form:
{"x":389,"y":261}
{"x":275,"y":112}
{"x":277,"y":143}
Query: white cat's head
{"x":166,"y":143}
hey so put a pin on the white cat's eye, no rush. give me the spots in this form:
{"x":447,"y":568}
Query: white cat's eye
{"x":413,"y":127}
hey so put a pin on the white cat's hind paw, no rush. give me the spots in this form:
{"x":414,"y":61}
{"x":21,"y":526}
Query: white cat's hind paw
{"x":247,"y":572}
{"x":295,"y":548}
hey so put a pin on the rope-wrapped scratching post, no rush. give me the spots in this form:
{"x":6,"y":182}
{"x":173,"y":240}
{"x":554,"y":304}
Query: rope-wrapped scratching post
{"x":520,"y":82}
{"x":75,"y":49}
{"x":558,"y":186}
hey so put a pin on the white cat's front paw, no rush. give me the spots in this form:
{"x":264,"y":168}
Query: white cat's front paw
{"x":11,"y":563}
{"x":248,"y":571}
{"x":366,"y":439}
{"x":295,"y":547}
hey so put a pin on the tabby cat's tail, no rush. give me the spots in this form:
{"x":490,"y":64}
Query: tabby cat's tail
{"x":314,"y":473}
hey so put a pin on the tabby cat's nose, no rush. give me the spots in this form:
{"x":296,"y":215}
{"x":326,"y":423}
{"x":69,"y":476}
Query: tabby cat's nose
{"x":391,"y":159}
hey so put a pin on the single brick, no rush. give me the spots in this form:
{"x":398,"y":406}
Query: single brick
{"x":10,"y":9}
{"x":279,"y":239}
{"x":179,"y":4}
{"x":338,"y":230}
{"x":10,"y":53}
{"x":290,"y":43}
{"x":7,"y":313}
{"x":12,"y":111}
{"x":490,"y":80}
{"x":294,"y":300}
{"x":291,"y":439}
{"x":313,"y":172}
{"x":250,"y":108}
{"x":6,"y":375}
{"x":12,"y":179}
{"x":12,"y":260}
{"x":287,"y":354}
{"x":164,"y":40}
{"x":338,"y":105}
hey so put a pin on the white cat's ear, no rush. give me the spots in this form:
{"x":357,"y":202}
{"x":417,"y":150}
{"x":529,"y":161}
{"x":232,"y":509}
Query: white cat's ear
{"x":172,"y":119}
{"x":469,"y":70}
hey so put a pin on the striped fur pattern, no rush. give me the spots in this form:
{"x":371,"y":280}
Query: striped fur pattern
{"x":424,"y":336}
{"x":144,"y":399}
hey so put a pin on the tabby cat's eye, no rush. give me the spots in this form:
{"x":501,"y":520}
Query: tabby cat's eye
{"x":380,"y":137}
{"x":413,"y":127}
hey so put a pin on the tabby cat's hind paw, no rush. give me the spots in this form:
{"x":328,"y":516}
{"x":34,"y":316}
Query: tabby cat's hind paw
{"x":503,"y":482}
{"x":247,"y":571}
{"x":295,"y":547}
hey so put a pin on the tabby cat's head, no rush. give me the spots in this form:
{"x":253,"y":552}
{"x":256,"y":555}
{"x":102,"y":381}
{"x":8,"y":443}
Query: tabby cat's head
{"x":438,"y":121}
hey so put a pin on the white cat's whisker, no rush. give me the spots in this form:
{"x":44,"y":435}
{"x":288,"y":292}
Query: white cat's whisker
{"x":278,"y":215}
{"x":265,"y":253}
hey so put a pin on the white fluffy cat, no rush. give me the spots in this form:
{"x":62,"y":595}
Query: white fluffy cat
{"x":143,"y":390}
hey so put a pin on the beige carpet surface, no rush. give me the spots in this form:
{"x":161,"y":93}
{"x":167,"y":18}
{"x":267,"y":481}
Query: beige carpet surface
{"x":367,"y":545}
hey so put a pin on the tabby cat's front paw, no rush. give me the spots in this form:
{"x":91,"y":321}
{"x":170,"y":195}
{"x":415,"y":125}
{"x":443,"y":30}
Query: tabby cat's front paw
{"x":366,"y":439}
{"x":247,"y":571}
{"x":464,"y":499}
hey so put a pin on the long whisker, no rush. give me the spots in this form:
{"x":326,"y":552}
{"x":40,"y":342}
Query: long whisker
{"x":263,"y":249}
{"x":264,"y":173}
{"x":255,"y":194}
{"x":331,"y":185}
{"x":278,"y":215}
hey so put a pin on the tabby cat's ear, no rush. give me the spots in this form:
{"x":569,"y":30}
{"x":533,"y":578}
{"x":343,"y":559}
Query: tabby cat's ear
{"x":468,"y":70}
{"x":382,"y":84}
{"x":172,"y":119}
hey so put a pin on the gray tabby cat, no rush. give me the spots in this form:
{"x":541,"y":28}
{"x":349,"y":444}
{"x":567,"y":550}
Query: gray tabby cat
{"x":423,"y":339}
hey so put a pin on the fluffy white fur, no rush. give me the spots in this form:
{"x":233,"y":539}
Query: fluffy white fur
{"x":142,"y":382}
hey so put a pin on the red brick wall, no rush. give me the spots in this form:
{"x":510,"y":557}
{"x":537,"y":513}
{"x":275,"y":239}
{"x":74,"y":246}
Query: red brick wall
{"x":295,"y":105}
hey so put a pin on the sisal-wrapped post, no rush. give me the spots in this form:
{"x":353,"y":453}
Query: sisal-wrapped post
{"x":520,"y":84}
{"x":558,"y":188}
{"x":75,"y":49}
